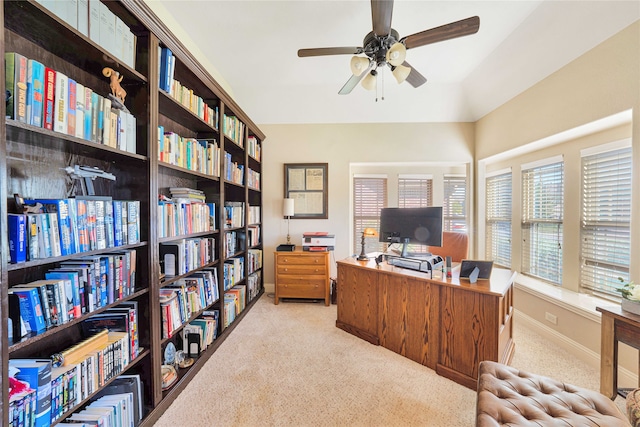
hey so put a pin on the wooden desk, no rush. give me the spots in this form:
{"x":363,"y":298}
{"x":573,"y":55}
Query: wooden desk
{"x":617,"y":326}
{"x":445,"y":324}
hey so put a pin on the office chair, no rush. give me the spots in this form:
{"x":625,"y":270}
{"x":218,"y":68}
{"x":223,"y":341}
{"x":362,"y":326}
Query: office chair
{"x":455,"y":245}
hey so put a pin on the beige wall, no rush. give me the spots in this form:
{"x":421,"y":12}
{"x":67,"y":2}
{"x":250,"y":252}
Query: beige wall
{"x":413,"y":145}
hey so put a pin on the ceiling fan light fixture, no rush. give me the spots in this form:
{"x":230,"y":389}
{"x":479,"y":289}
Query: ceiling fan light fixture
{"x":369,"y":82}
{"x":359,"y":65}
{"x":396,"y":54}
{"x":400,"y":72}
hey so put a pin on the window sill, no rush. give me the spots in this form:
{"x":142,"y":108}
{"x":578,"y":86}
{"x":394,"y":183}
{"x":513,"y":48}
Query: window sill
{"x":581,"y":304}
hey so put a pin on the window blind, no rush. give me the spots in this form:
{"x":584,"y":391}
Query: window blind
{"x":605,"y":221}
{"x":454,"y":206}
{"x":498,"y":214}
{"x":542,"y":221}
{"x":415,"y":192}
{"x":369,"y":196}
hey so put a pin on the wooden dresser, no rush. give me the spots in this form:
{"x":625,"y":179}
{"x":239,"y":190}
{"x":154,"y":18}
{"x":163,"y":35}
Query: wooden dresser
{"x":301,"y":274}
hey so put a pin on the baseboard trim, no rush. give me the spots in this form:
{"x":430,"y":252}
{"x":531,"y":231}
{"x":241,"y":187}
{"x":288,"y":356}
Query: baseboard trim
{"x":585,"y":354}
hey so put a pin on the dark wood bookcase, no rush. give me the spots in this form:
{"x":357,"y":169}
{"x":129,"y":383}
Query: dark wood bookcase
{"x":32,"y":160}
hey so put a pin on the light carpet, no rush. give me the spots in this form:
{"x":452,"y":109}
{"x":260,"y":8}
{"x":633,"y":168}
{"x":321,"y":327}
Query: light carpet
{"x":288,"y":365}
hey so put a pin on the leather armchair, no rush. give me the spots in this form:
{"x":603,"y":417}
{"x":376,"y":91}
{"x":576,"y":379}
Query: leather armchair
{"x":455,"y":245}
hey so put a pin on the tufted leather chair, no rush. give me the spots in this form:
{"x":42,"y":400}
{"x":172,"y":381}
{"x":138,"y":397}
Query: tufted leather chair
{"x":509,"y":397}
{"x":455,"y":245}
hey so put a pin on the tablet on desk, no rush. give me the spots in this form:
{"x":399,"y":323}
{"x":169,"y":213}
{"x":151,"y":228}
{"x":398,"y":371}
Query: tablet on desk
{"x":467,"y":266}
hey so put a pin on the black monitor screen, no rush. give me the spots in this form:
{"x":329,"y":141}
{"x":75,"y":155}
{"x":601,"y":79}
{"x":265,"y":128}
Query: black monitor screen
{"x":421,"y":226}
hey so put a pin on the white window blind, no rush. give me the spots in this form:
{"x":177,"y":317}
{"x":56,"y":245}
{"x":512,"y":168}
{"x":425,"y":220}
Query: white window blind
{"x":542,"y":220}
{"x":498,"y":214}
{"x":454,"y":206}
{"x":415,"y":192}
{"x":605,"y":222}
{"x":369,"y":196}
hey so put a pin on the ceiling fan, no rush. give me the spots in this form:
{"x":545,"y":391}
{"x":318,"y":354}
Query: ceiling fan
{"x":383,"y":46}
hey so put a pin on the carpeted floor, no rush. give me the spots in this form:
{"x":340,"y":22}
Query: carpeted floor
{"x":288,"y":365}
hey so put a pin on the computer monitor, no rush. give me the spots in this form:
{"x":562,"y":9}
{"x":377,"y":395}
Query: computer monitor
{"x":422,"y":226}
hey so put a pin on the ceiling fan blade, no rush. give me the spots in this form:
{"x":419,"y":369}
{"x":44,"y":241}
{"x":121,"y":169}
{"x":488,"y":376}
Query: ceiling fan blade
{"x":354,"y":80}
{"x":415,"y":79}
{"x":320,"y":51}
{"x":381,"y":11}
{"x":461,"y":28}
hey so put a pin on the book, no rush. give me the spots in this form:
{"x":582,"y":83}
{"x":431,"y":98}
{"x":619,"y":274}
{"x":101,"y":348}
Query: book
{"x":32,"y":237}
{"x":49,"y":97}
{"x":18,"y":326}
{"x":80,"y":109}
{"x":35,"y":92}
{"x":127,"y":384}
{"x":88,"y":108}
{"x":17,"y":225}
{"x":73,"y":290}
{"x":16,"y":85}
{"x":60,"y":207}
{"x":44,"y":301}
{"x":30,"y":308}
{"x":60,"y":102}
{"x":71,"y":107}
{"x":37,"y":373}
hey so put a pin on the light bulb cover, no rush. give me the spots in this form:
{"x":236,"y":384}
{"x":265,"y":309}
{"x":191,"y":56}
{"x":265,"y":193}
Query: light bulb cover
{"x":396,"y":54}
{"x":359,"y":65}
{"x":369,"y":82}
{"x":400,"y":72}
{"x":288,"y":207}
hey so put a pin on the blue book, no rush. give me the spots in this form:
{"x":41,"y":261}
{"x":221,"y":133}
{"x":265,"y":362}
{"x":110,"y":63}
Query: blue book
{"x":37,"y":373}
{"x":108,"y":224}
{"x":72,"y":288}
{"x":35,"y":92}
{"x":61,"y":208}
{"x":17,"y":224}
{"x":117,"y":223}
{"x":31,"y":308}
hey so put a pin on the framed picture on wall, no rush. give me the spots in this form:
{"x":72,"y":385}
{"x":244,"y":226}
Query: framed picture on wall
{"x":307,"y":185}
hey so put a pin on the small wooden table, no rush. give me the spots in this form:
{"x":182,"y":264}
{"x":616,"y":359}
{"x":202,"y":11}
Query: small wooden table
{"x":617,"y":326}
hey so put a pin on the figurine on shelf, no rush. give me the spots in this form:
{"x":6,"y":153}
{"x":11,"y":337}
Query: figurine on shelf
{"x":115,"y":79}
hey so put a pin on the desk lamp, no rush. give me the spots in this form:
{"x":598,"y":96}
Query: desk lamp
{"x":367,"y":232}
{"x":287,"y":211}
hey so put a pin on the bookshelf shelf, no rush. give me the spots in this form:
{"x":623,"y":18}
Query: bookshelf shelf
{"x":33,"y":160}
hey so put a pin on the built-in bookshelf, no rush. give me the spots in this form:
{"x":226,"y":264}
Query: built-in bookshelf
{"x":186,"y":164}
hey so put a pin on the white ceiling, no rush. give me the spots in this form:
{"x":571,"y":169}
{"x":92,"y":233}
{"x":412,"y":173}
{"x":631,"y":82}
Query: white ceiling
{"x":254,"y":45}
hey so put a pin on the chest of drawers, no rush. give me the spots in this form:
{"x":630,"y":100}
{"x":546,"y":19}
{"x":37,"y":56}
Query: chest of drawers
{"x":302,"y":274}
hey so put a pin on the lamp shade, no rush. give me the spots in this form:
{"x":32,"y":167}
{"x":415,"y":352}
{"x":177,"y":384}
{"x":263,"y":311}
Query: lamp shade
{"x":400,"y":72}
{"x":396,"y":54}
{"x":358,"y":65}
{"x":369,"y":82}
{"x":370,"y":232}
{"x":288,"y":207}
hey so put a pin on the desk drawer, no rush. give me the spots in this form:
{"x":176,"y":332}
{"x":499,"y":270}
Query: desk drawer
{"x":302,"y":288}
{"x":301,"y":269}
{"x":297,"y":259}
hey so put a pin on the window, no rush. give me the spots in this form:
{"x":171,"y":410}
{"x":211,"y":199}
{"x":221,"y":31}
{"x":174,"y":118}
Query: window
{"x":499,"y":219}
{"x":369,"y":196}
{"x":415,"y":192}
{"x":542,"y":220}
{"x":454,"y":206}
{"x":605,"y":221}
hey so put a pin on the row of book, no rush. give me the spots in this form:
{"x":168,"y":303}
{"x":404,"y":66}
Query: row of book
{"x":234,"y":242}
{"x":254,"y":260}
{"x":180,"y":300}
{"x":205,"y":327}
{"x":181,"y":217}
{"x":254,"y":284}
{"x":233,"y":214}
{"x":84,"y":369}
{"x":253,"y":233}
{"x":254,"y":149}
{"x":69,"y":226}
{"x":233,"y":129}
{"x":41,"y":96}
{"x":199,"y":155}
{"x":253,"y":179}
{"x":235,"y":300}
{"x":234,"y":171}
{"x":110,"y":411}
{"x":254,"y":214}
{"x":233,"y":269}
{"x":180,"y":257}
{"x":182,"y":94}
{"x":76,"y":287}
{"x":93,"y":19}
